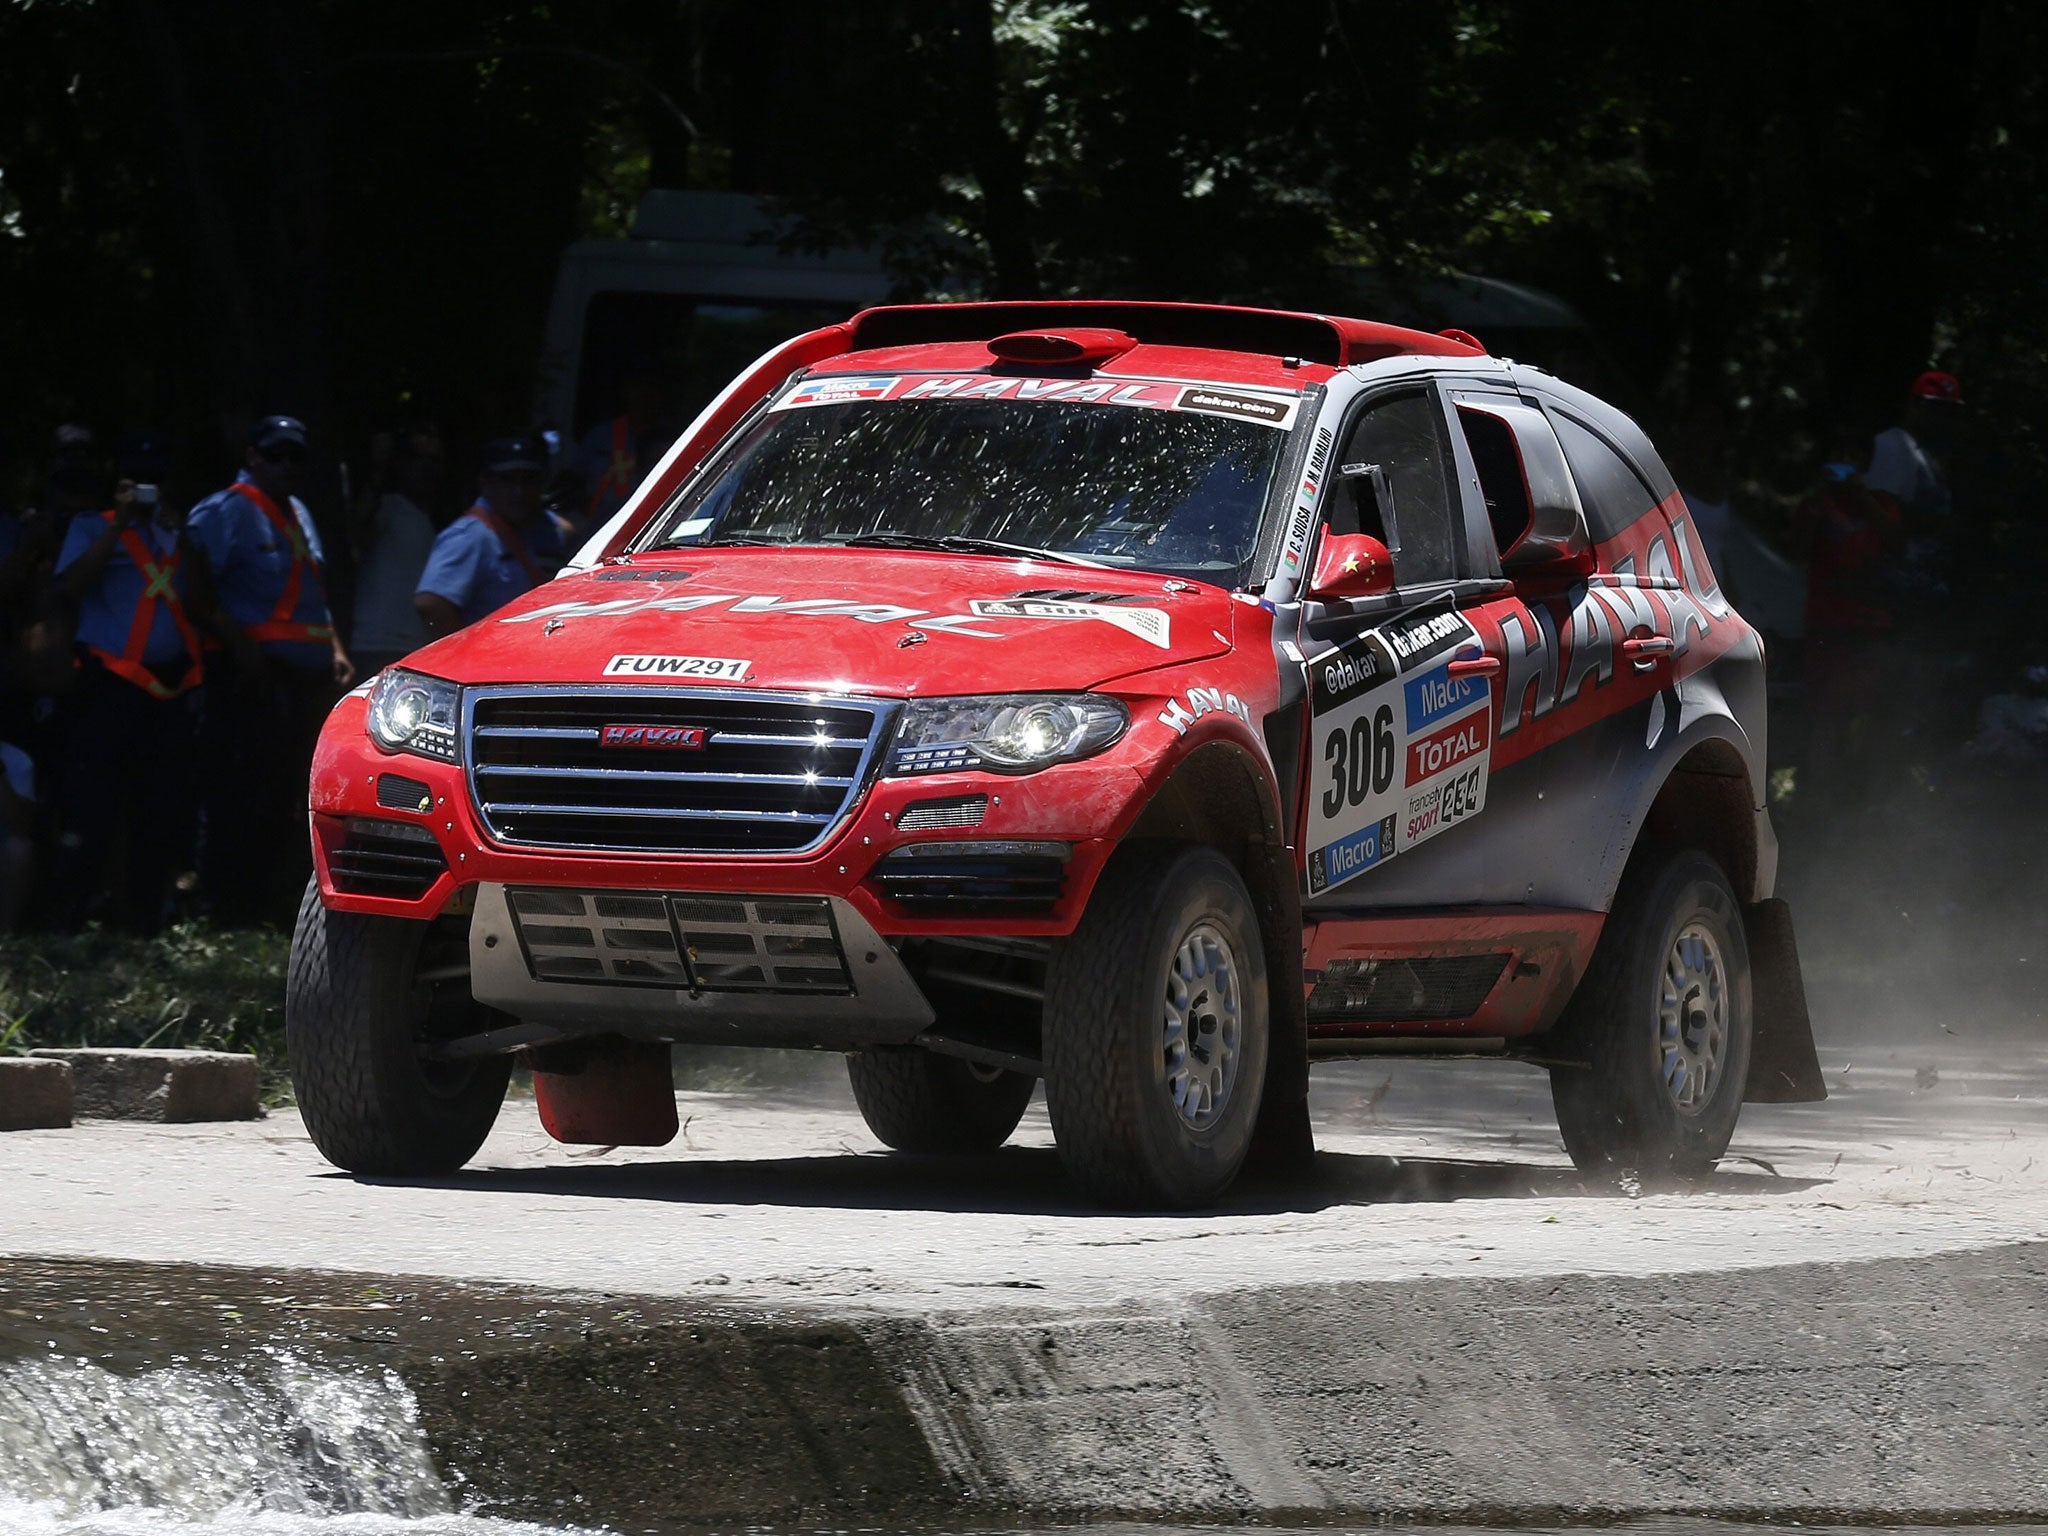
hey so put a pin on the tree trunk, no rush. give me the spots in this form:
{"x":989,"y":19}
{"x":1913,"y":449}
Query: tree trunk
{"x":996,"y":158}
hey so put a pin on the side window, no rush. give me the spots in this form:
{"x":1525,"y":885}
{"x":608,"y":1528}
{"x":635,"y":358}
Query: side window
{"x":1404,"y":435}
{"x":1614,"y":494}
{"x":1492,"y":442}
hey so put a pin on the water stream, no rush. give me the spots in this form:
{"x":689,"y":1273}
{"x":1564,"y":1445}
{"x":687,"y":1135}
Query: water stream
{"x":277,"y":1446}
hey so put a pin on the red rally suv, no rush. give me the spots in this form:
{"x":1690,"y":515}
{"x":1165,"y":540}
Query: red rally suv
{"x":1152,"y":699}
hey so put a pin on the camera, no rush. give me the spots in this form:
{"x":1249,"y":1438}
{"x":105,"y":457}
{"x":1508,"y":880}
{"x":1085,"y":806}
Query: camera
{"x":146,"y":495}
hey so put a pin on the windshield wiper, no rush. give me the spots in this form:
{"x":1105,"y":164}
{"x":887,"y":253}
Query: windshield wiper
{"x":961,"y":543}
{"x":735,"y":541}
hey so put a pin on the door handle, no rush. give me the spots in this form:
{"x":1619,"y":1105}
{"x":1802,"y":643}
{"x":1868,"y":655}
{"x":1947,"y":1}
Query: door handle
{"x":1476,"y":666}
{"x":1642,"y":651}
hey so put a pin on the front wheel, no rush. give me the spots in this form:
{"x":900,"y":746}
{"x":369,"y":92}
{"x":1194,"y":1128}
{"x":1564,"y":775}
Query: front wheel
{"x":1656,"y":1040}
{"x":916,"y":1101}
{"x":1156,"y":1027}
{"x":355,"y":1016}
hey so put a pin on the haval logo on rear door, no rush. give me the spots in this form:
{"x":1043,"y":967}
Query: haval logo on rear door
{"x":686,"y":738}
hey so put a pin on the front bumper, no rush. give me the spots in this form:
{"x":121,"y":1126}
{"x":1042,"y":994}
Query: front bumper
{"x":1085,"y":806}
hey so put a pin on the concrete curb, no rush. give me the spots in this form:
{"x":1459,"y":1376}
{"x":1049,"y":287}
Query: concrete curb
{"x":1886,"y":1391}
{"x":34,"y":1095}
{"x":171,"y":1086}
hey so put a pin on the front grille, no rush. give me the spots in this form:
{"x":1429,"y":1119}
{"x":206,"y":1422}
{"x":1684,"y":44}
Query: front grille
{"x":770,"y":773}
{"x":952,"y":811}
{"x":969,"y":879}
{"x":385,"y":858}
{"x":706,"y":943}
{"x":1403,"y":991}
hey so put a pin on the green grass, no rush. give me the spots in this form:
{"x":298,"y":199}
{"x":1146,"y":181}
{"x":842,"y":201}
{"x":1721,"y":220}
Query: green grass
{"x":192,"y":986}
{"x":209,"y":988}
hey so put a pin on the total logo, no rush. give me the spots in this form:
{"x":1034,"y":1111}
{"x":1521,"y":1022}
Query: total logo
{"x":1431,"y":755}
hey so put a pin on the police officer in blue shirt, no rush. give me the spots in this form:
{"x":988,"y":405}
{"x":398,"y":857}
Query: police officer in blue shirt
{"x":503,"y":546}
{"x":271,"y":683}
{"x":124,"y":794}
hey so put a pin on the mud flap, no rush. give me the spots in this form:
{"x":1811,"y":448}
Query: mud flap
{"x":1283,"y":1141}
{"x":607,"y":1093}
{"x":1783,"y":1065}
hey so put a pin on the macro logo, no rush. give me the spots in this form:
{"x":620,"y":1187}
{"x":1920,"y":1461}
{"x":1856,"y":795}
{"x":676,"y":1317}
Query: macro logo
{"x":674,"y":738}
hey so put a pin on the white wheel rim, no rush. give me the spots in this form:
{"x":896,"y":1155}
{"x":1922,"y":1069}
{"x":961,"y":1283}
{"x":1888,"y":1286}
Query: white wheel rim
{"x":1202,"y":1033}
{"x":1692,"y":1019}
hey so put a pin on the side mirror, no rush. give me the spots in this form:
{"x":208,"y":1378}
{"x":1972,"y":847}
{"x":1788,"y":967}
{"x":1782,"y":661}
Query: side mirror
{"x":1351,"y":565}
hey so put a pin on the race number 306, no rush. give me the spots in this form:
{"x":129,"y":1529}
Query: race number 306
{"x":1361,"y":760}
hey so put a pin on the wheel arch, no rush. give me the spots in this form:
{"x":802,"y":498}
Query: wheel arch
{"x":1221,"y":795}
{"x":1707,"y":801}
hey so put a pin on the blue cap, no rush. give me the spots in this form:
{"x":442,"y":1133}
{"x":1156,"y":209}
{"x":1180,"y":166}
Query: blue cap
{"x":508,"y":455}
{"x":278,"y":432}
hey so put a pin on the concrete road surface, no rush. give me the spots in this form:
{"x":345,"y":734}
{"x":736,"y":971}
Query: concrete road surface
{"x":780,"y":1195}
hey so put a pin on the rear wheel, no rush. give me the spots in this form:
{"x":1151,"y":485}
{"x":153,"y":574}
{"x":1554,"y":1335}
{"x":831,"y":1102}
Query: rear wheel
{"x":356,"y":1017}
{"x":1156,"y":1027}
{"x":917,"y":1101}
{"x":1661,"y":1024}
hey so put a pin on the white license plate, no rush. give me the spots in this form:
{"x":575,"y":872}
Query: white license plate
{"x":727,"y":669}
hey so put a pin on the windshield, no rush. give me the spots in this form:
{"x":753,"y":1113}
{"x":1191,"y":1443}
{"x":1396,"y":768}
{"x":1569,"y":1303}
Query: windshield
{"x":1148,"y":475}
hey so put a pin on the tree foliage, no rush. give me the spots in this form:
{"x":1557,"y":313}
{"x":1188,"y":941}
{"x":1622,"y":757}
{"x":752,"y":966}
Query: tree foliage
{"x":214,"y":207}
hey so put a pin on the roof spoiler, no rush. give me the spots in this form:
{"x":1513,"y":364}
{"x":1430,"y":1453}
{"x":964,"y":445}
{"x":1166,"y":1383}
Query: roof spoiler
{"x":1326,"y":339}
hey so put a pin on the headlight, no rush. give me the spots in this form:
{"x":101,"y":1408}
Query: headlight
{"x":412,"y":713}
{"x":1010,"y":733}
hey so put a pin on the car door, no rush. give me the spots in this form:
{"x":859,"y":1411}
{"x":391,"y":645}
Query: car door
{"x":1400,"y":686}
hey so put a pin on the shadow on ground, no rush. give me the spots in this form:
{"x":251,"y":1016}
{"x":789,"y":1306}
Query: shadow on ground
{"x":1029,"y":1181}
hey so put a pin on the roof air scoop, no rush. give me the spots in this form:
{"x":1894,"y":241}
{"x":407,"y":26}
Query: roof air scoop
{"x":1066,"y":348}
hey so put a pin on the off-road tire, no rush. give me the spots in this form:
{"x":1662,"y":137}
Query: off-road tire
{"x":352,"y":1017}
{"x":1120,"y":1135}
{"x":917,"y":1101}
{"x":1612,"y":1104}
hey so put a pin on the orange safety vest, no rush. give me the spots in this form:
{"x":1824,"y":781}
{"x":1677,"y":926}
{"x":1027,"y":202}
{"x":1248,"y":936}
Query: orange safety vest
{"x":510,"y":542}
{"x":280,"y":625}
{"x":623,"y":473}
{"x":158,"y":586}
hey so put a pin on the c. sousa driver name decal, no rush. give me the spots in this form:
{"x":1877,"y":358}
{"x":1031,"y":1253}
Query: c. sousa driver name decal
{"x":1401,"y":747}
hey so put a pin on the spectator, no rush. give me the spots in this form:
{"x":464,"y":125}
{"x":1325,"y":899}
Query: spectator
{"x":17,"y":833}
{"x":128,"y":729}
{"x":270,"y":685}
{"x":395,"y":537}
{"x":1855,"y":543}
{"x":502,"y":546}
{"x":1903,"y":458}
{"x":36,"y":669}
{"x":1699,"y":461}
{"x":18,"y":565}
{"x":617,"y":453}
{"x":35,"y":644}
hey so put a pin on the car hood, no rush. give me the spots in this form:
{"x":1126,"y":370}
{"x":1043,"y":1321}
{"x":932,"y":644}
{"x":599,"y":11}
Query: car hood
{"x":865,"y":621}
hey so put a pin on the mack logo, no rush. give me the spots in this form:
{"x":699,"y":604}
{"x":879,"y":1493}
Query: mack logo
{"x":685,"y":738}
